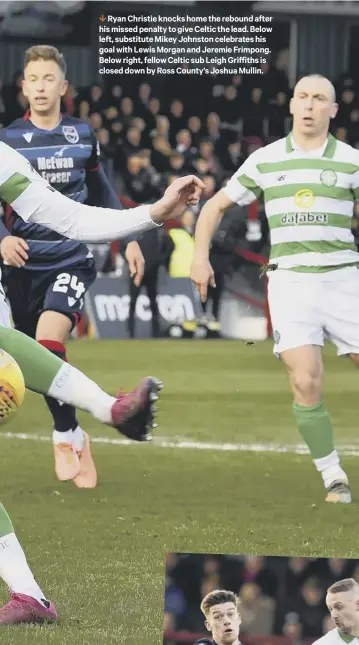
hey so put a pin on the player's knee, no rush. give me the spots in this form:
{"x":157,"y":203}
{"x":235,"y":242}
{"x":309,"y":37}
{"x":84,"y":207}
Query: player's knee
{"x":53,"y":325}
{"x":307,"y":387}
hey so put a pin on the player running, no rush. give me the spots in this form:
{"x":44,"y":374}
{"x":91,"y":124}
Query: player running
{"x":343,"y":603}
{"x":48,"y":275}
{"x":221,"y":610}
{"x":309,"y":182}
{"x":132,"y":414}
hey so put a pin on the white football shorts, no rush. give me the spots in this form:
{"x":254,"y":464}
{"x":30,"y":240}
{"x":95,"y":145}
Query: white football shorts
{"x":307,"y":308}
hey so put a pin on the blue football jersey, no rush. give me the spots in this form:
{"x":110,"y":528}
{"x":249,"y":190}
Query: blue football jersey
{"x":62,"y":156}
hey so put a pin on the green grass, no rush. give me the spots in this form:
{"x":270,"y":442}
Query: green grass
{"x":100,"y":554}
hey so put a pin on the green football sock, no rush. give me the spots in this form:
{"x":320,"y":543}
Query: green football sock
{"x":315,"y":428}
{"x":38,"y":365}
{"x":14,"y":569}
{"x":6,"y":526}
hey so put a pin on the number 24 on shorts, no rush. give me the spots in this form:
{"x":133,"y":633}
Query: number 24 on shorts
{"x":65,"y":280}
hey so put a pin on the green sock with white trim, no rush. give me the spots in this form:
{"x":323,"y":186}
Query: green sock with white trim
{"x":316,"y":429}
{"x":14,"y":569}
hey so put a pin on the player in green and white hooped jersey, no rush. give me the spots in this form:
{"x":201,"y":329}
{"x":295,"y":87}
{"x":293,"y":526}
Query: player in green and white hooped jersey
{"x":309,"y":182}
{"x":343,"y":603}
{"x":35,"y":200}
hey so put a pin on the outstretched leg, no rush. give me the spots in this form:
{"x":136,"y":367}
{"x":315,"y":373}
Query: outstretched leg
{"x":132,"y":414}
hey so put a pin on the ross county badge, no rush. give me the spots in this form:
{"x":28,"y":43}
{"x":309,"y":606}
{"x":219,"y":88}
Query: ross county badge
{"x":70,"y":133}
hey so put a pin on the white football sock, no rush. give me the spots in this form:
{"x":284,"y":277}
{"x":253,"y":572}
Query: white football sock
{"x":78,"y":438}
{"x":74,"y":437}
{"x":14,"y":569}
{"x":62,"y":437}
{"x":330,"y":469}
{"x":73,"y":387}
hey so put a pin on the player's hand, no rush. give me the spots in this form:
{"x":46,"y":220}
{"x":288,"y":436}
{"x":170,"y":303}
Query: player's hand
{"x":13,"y":251}
{"x":183,"y":192}
{"x":202,"y":275}
{"x":136,"y":262}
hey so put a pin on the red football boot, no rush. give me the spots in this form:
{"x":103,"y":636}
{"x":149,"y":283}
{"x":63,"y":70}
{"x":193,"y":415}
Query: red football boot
{"x":133,"y":414}
{"x":25,"y":609}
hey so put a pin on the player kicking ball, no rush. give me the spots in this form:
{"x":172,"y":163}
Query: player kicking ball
{"x":309,"y":182}
{"x":343,"y":603}
{"x":132,"y":414}
{"x":47,"y":275}
{"x":221,"y":610}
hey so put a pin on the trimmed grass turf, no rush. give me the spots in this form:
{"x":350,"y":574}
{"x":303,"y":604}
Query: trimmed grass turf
{"x":100,"y":554}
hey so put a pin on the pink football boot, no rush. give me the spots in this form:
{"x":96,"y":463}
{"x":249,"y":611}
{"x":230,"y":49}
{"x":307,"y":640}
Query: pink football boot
{"x":133,"y":413}
{"x":25,"y":609}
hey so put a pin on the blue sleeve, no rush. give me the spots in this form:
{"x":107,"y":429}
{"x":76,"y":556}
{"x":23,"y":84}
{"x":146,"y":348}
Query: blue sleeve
{"x":101,"y":193}
{"x":3,"y":230}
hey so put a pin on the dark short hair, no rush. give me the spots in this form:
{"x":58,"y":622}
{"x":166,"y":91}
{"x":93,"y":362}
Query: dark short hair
{"x":218,"y":597}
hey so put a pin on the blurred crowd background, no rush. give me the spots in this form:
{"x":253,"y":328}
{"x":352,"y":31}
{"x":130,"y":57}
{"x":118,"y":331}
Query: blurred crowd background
{"x":206,"y":125}
{"x":280,"y":597}
{"x":154,"y":131}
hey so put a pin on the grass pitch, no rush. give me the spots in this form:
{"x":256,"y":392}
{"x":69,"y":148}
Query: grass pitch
{"x":100,"y":554}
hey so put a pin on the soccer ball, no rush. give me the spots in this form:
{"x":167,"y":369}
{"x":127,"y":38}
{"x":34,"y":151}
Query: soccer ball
{"x":12,"y":387}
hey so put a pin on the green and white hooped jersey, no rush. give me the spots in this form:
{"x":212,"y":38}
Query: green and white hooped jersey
{"x":20,"y":185}
{"x":335,"y":637}
{"x":309,"y":201}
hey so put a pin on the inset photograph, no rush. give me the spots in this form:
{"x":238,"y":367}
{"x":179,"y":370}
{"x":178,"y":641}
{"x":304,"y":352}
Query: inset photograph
{"x":215,"y":599}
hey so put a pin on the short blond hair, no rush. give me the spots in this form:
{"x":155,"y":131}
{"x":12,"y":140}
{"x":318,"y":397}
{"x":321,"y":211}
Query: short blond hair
{"x":45,"y":52}
{"x":218,"y":597}
{"x":348,"y":584}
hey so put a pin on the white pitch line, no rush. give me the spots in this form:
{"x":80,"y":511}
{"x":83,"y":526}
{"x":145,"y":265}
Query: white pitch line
{"x":348,"y":450}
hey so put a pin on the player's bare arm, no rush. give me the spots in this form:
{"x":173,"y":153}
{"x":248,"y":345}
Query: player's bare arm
{"x":136,"y":262}
{"x":211,"y":214}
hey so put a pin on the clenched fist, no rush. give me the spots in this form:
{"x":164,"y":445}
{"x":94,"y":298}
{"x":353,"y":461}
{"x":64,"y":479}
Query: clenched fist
{"x":183,"y":192}
{"x":13,"y":251}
